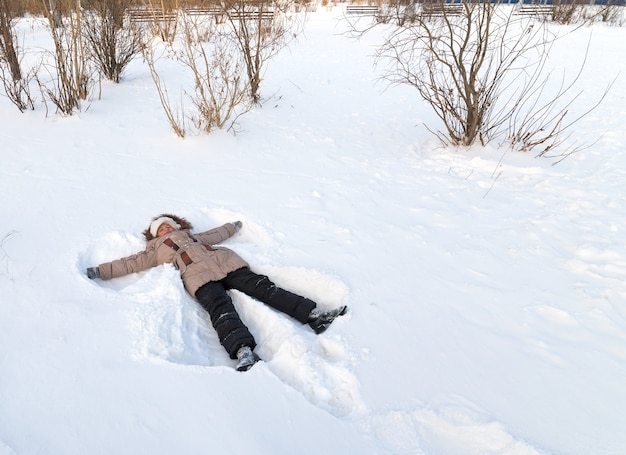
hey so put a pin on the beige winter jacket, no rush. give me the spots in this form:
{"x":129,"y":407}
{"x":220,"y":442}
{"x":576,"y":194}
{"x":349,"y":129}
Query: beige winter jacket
{"x":192,"y":254}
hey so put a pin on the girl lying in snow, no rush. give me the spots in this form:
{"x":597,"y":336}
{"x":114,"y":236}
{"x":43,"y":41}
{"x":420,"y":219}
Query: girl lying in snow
{"x":208,"y":272}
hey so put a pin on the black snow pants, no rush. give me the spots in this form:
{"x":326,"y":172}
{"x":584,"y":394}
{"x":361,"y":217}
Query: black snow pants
{"x":230,"y":329}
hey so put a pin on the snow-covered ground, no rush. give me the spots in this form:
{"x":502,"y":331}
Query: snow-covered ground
{"x":487,"y":291}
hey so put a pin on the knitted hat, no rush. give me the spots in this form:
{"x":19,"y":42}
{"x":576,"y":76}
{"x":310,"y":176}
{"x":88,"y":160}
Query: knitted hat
{"x":154,"y":226}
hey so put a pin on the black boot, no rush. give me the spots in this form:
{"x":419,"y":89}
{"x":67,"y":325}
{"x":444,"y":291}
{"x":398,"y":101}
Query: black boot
{"x":320,"y":320}
{"x":247,"y":358}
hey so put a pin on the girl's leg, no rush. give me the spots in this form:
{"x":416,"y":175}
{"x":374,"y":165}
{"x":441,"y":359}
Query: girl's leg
{"x":230,"y":329}
{"x":261,"y":288}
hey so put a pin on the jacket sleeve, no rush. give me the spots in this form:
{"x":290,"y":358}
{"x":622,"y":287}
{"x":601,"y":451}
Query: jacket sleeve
{"x":216,"y":235}
{"x":130,"y":264}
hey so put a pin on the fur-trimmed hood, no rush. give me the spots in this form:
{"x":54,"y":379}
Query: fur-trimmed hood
{"x":182,"y":222}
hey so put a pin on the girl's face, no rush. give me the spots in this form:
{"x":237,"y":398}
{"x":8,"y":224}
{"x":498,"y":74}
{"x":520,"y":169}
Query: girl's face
{"x":164,"y":229}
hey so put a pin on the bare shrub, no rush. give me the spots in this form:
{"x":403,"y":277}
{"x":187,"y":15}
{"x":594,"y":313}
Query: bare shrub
{"x":111,"y":42}
{"x":21,"y":7}
{"x":610,"y":13}
{"x":220,"y":92}
{"x":159,"y":16}
{"x":54,"y":10}
{"x":544,"y":123}
{"x":16,"y":85}
{"x":398,"y":12}
{"x":449,"y":61}
{"x":8,"y":48}
{"x":17,"y":90}
{"x":175,"y":119}
{"x":261,"y":29}
{"x":482,"y":71}
{"x":70,"y":78}
{"x":568,"y":11}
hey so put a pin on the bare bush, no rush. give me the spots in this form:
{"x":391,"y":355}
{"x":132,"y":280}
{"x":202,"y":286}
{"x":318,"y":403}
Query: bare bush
{"x":398,"y":12}
{"x":226,"y":57}
{"x":544,"y":123}
{"x":261,"y":29}
{"x":221,"y":92}
{"x":159,"y":16}
{"x":8,"y":48}
{"x":70,"y":78}
{"x":111,"y":41}
{"x":610,"y":13}
{"x":449,"y":61}
{"x":16,"y":85}
{"x":54,"y":10}
{"x":175,"y":119}
{"x":568,"y":11}
{"x":482,"y":71}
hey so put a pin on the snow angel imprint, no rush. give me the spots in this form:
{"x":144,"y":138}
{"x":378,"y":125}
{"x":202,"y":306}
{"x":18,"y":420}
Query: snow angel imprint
{"x":208,"y":272}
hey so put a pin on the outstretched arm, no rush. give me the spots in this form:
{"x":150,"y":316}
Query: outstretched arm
{"x":219,"y":234}
{"x":123,"y":266}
